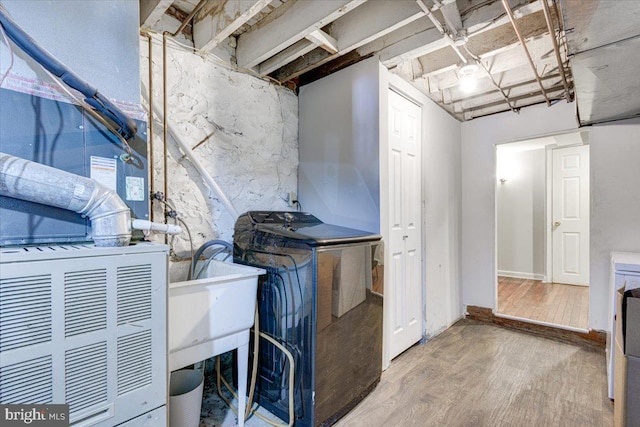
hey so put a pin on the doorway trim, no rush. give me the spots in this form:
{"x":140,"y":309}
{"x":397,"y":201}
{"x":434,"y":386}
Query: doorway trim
{"x":547,"y":235}
{"x":391,"y":82}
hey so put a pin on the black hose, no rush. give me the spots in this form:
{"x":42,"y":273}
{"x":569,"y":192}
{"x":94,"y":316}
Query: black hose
{"x":205,"y":246}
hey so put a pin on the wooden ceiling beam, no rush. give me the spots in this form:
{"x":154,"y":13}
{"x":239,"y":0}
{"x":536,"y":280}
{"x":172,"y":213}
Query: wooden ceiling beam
{"x":479,"y":21}
{"x":351,"y":32}
{"x":217,"y":20}
{"x":291,"y":22}
{"x":151,"y":11}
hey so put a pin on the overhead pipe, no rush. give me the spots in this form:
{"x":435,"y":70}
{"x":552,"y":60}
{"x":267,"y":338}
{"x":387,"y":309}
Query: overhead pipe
{"x":165,"y":152}
{"x":150,"y":127}
{"x":556,"y":49}
{"x":186,"y":149}
{"x":512,"y":18}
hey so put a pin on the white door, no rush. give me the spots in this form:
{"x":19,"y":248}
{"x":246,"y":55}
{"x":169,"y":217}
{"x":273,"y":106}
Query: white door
{"x":405,"y":223}
{"x":570,"y":215}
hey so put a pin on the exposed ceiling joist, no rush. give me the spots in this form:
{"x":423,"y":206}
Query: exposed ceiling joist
{"x":323,"y":40}
{"x":424,"y":41}
{"x":519,"y":102}
{"x":379,"y":18}
{"x":492,"y":15}
{"x":294,"y":21}
{"x":430,"y":40}
{"x":500,"y":60}
{"x":152,"y":10}
{"x":288,"y":55}
{"x":351,"y":34}
{"x":452,"y":18}
{"x":218,"y":20}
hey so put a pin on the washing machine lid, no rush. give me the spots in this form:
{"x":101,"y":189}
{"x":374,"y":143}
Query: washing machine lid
{"x":307,"y":228}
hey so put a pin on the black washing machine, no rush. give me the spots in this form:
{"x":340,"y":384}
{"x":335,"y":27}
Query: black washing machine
{"x":321,"y":299}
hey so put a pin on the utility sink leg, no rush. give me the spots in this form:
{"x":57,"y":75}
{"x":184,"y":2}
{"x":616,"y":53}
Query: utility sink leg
{"x":243,"y":367}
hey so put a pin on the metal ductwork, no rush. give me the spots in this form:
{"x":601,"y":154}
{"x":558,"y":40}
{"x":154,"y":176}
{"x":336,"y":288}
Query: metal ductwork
{"x":26,"y":180}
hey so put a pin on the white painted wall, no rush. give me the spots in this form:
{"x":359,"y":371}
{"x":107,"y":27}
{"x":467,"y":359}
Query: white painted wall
{"x":520,"y":204}
{"x":339,"y":177}
{"x":98,"y":40}
{"x":343,"y":122}
{"x":615,"y":201}
{"x":252,"y":149}
{"x":441,"y":186}
{"x":615,"y":204}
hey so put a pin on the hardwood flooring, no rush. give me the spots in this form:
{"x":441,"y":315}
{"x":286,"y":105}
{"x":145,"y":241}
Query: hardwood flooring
{"x":554,"y":303}
{"x":478,"y":374}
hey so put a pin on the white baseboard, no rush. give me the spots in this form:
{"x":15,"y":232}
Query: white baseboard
{"x":520,"y":275}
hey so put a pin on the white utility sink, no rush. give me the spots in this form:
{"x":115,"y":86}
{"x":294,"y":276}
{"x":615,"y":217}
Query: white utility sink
{"x":213,"y":315}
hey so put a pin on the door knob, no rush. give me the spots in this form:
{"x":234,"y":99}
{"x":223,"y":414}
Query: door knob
{"x":556,"y":224}
{"x":404,"y":237}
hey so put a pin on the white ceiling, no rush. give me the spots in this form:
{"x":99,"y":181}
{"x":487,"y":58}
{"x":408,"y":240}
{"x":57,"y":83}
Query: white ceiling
{"x":427,"y":41}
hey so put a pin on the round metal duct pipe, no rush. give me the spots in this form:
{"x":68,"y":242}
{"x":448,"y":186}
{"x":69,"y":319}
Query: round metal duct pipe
{"x":26,"y":180}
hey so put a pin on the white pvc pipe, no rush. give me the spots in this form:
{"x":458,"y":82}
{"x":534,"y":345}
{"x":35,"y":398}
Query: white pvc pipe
{"x":186,"y":149}
{"x":144,"y":225}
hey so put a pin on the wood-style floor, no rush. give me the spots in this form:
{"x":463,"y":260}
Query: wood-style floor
{"x":477,"y":374}
{"x":554,"y":303}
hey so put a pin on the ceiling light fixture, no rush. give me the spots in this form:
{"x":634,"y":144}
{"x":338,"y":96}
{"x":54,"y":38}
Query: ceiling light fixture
{"x":467,"y":81}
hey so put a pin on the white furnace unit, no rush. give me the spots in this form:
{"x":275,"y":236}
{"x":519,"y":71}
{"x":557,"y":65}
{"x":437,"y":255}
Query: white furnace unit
{"x":86,"y":326}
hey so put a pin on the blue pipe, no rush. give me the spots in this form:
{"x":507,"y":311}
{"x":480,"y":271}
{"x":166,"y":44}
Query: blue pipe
{"x":127,"y":128}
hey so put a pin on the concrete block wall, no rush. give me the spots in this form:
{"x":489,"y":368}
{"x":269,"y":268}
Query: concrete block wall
{"x":250,"y":131}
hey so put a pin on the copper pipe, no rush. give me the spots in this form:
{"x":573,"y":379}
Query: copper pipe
{"x":556,"y":49}
{"x":524,"y":46}
{"x":150,"y":128}
{"x":164,"y":124}
{"x":165,"y":151}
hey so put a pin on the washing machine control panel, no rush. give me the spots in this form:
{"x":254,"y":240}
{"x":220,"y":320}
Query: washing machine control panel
{"x":280,"y":217}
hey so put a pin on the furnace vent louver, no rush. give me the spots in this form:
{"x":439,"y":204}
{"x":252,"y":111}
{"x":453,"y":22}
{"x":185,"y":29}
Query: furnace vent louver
{"x":85,"y":301}
{"x":27,"y":382}
{"x":85,"y":326}
{"x":86,"y":376}
{"x":25,"y":311}
{"x":134,"y":294}
{"x":134,"y":362}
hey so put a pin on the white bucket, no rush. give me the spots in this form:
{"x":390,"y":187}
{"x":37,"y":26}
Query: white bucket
{"x":185,"y":398}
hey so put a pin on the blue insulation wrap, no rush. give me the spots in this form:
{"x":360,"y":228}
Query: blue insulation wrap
{"x":126,"y":126}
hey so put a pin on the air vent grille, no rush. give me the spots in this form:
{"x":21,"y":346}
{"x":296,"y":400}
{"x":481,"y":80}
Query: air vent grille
{"x":27,"y":382}
{"x":85,"y":301}
{"x":134,"y":294}
{"x":86,"y":376}
{"x":134,"y":362}
{"x":25,"y":311}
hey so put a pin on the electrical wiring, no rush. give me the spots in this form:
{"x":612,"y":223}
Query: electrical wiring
{"x":221,"y":380}
{"x":186,"y":227}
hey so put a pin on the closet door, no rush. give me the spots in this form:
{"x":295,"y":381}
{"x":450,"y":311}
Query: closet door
{"x":405,"y":287}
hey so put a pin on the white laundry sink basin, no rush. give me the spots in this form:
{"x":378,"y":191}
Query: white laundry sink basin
{"x":213,"y":315}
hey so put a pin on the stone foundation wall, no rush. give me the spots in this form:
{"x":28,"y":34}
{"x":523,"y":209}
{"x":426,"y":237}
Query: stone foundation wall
{"x":246,"y":132}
